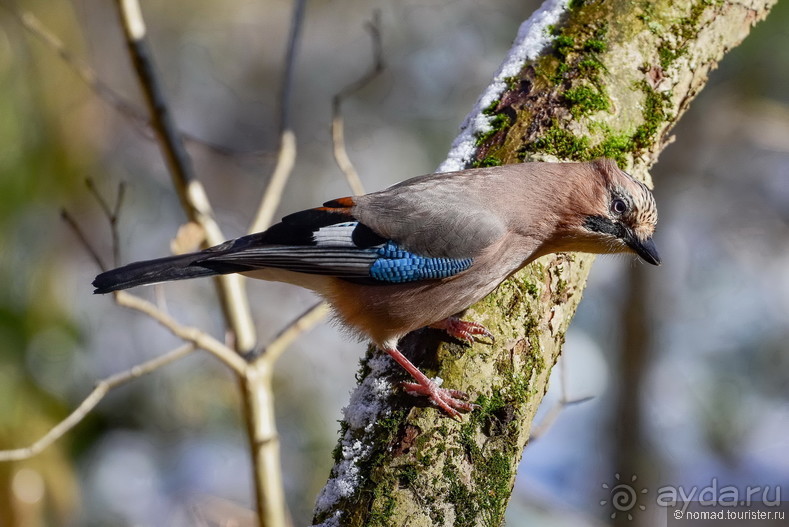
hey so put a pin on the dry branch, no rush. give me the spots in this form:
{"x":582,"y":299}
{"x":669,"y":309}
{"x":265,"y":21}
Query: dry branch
{"x":191,"y":334}
{"x":103,"y":91}
{"x":540,"y":429}
{"x":102,"y":388}
{"x":190,"y":191}
{"x":337,"y":123}
{"x":112,"y":214}
{"x":72,"y":223}
{"x":286,"y":158}
{"x":292,"y":331}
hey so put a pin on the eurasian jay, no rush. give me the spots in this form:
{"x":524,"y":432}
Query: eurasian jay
{"x":421,"y":251}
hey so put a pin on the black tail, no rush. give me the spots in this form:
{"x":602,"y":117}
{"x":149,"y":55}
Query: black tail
{"x":151,"y":272}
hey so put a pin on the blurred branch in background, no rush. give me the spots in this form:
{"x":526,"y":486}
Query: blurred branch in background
{"x":271,"y":352}
{"x":112,"y":214}
{"x":191,"y":192}
{"x":103,"y":91}
{"x":194,"y":335}
{"x":287,"y":145}
{"x":64,"y":214}
{"x":541,"y":428}
{"x":338,"y":124}
{"x":102,"y":388}
{"x":197,"y":207}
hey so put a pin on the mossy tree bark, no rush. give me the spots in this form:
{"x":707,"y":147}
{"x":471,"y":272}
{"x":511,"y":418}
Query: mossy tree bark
{"x":613,"y":79}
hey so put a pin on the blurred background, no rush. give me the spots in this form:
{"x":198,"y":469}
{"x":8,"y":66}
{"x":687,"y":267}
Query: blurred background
{"x":687,"y":364}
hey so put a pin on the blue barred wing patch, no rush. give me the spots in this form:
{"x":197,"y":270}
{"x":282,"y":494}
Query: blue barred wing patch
{"x":395,"y":265}
{"x":345,"y":249}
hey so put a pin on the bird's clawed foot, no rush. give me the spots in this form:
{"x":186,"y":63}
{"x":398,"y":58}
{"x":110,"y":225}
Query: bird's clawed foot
{"x":452,"y":402}
{"x":461,"y":329}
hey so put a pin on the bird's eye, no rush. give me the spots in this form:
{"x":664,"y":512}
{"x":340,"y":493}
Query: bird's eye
{"x":619,"y":206}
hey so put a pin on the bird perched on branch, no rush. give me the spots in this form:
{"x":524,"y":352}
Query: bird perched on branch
{"x":421,"y":251}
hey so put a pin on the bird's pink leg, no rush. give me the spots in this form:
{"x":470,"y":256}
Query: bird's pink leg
{"x":462,"y":330}
{"x":450,"y":401}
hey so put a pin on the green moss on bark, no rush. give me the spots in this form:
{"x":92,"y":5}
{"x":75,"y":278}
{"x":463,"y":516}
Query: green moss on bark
{"x":585,"y":100}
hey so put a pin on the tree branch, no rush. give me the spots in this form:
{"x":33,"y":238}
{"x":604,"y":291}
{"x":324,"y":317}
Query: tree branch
{"x":553,"y":413}
{"x":102,"y":90}
{"x":255,"y":378}
{"x":102,"y":388}
{"x":286,"y":158}
{"x":190,"y":191}
{"x":583,"y":80}
{"x":292,"y":331}
{"x":190,"y":334}
{"x":337,"y":123}
{"x":72,"y":223}
{"x":111,"y":213}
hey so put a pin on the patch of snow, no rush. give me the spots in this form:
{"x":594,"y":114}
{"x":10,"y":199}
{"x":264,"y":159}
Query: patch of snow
{"x":532,"y":38}
{"x":369,"y":400}
{"x":367,"y":406}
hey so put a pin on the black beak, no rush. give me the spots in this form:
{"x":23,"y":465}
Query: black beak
{"x":645,"y":249}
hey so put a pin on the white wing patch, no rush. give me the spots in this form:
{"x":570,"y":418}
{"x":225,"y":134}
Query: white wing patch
{"x":337,"y":235}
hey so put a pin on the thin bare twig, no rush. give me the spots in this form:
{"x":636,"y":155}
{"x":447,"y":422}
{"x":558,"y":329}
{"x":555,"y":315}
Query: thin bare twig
{"x":338,"y":124}
{"x":191,"y":334}
{"x":553,"y":413}
{"x":286,"y":88}
{"x":35,"y":27}
{"x":550,"y":418}
{"x":116,"y":211}
{"x":103,"y":91}
{"x":190,"y":191}
{"x":286,"y":158}
{"x":179,"y":164}
{"x":292,"y":331}
{"x":102,"y":388}
{"x":111,"y":213}
{"x":105,"y":207}
{"x":341,"y":154}
{"x":82,"y":238}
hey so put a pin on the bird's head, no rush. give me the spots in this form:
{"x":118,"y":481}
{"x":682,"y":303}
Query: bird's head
{"x":615,"y":214}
